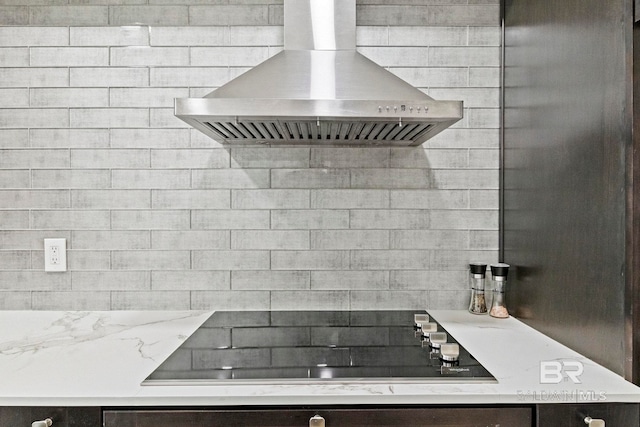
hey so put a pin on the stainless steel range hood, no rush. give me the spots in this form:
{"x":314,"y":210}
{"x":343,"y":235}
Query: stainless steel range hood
{"x":319,"y":90}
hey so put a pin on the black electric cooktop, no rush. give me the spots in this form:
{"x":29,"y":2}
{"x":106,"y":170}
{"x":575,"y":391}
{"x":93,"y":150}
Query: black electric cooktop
{"x":290,"y":346}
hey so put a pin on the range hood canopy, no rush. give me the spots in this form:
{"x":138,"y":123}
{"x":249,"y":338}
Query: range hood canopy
{"x":319,"y":90}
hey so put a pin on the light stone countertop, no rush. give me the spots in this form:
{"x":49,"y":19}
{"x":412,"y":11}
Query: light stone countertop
{"x":101,"y":358}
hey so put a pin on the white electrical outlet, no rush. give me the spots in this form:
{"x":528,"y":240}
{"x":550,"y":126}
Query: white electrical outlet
{"x":55,"y":254}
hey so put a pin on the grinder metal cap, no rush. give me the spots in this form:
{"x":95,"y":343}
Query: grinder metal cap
{"x":500,"y":270}
{"x":478,"y":268}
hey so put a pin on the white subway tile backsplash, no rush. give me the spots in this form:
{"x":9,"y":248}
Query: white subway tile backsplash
{"x":188,"y":76}
{"x":231,"y":260}
{"x":54,"y":300}
{"x":148,"y":15}
{"x":228,"y":56}
{"x":150,"y":260}
{"x":71,"y":178}
{"x":309,"y":260}
{"x":84,"y":260}
{"x":310,"y":300}
{"x":33,"y":36}
{"x":69,"y":56}
{"x":110,"y":280}
{"x":269,"y":199}
{"x":34,"y":77}
{"x":15,"y":260}
{"x":108,"y":117}
{"x":349,"y":199}
{"x":306,"y":219}
{"x":68,"y":15}
{"x":252,"y":280}
{"x":110,"y":239}
{"x":270,"y":239}
{"x":388,"y":300}
{"x":151,"y":300}
{"x":430,"y":280}
{"x":130,"y":35}
{"x":230,"y":178}
{"x":259,"y":35}
{"x":310,"y":178}
{"x":349,"y":239}
{"x":229,"y":219}
{"x":34,"y":159}
{"x":149,"y":220}
{"x":349,"y":279}
{"x":189,"y":280}
{"x":134,"y":56}
{"x":69,"y":97}
{"x":290,"y":157}
{"x":230,"y":300}
{"x":107,"y":77}
{"x":189,"y":159}
{"x":34,"y":118}
{"x":110,"y":199}
{"x":191,"y":199}
{"x":344,"y":157}
{"x":39,"y":199}
{"x":14,"y":138}
{"x":14,"y":98}
{"x":433,"y":77}
{"x":34,"y":280}
{"x":14,"y":57}
{"x":159,"y":216}
{"x":189,"y":36}
{"x":107,"y":158}
{"x":428,"y":36}
{"x":390,"y":260}
{"x":70,"y":219}
{"x":28,"y":239}
{"x":14,"y":178}
{"x":145,"y":97}
{"x":148,"y":138}
{"x":410,"y":219}
{"x":254,"y":14}
{"x":67,"y":138}
{"x":190,"y":239}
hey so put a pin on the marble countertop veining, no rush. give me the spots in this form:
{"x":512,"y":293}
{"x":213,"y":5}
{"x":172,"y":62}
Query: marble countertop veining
{"x":101,"y":358}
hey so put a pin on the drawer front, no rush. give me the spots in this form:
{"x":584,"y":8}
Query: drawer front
{"x":410,"y":417}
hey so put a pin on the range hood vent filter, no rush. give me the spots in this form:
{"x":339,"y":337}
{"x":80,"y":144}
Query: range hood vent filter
{"x":319,"y":90}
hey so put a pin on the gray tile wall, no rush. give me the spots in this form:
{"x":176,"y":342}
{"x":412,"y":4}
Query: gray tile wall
{"x":157,"y":216}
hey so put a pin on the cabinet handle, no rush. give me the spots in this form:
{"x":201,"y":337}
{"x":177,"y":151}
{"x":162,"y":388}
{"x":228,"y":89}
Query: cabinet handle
{"x":593,"y":422}
{"x":44,"y":423}
{"x":316,"y":421}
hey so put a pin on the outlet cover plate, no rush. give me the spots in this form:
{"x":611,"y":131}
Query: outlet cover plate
{"x":55,"y":255}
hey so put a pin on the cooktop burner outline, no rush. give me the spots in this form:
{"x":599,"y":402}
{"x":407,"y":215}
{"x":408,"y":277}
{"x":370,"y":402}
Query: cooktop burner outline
{"x":318,"y":346}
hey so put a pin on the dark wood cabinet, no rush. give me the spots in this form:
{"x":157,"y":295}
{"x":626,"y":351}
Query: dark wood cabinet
{"x":352,"y":417}
{"x":61,"y":416}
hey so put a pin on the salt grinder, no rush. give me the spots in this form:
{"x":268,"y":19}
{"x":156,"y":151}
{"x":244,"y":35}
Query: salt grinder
{"x":478,"y":304}
{"x":498,"y":306}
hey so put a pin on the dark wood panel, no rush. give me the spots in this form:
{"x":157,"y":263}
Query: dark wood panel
{"x":567,"y":127}
{"x":62,"y":417}
{"x":570,"y":415}
{"x":409,"y":417}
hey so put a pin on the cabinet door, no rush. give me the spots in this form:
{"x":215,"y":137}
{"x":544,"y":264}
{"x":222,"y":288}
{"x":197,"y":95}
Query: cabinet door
{"x":409,"y":417}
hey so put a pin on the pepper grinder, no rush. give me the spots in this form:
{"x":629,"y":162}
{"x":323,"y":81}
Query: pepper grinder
{"x":499,"y":273}
{"x":478,"y":304}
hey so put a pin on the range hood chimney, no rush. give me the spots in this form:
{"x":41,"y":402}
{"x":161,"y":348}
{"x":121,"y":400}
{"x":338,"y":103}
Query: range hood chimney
{"x":319,"y":90}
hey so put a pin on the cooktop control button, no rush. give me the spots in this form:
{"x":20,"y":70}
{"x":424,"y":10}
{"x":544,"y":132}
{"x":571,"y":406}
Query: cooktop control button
{"x":428,"y":329}
{"x":449,"y":352}
{"x":437,"y":339}
{"x":420,"y":319}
